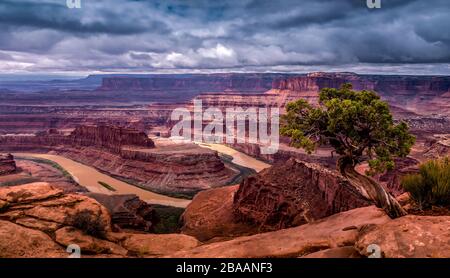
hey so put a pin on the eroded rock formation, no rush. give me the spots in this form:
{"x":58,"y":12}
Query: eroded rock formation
{"x":41,"y":221}
{"x":112,"y":138}
{"x":127,"y":211}
{"x":294,"y":193}
{"x":184,"y":168}
{"x":210,"y":216}
{"x":408,"y":237}
{"x":338,"y":230}
{"x":7,"y":164}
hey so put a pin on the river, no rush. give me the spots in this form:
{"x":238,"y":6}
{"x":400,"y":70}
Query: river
{"x":89,"y":177}
{"x":238,"y":157}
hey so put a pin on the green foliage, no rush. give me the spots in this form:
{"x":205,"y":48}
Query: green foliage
{"x":358,"y":125}
{"x":168,"y":219}
{"x":107,"y":186}
{"x":431,"y":186}
{"x":90,"y":224}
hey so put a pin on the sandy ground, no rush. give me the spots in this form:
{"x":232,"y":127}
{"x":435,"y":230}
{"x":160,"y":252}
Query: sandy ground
{"x":89,"y":178}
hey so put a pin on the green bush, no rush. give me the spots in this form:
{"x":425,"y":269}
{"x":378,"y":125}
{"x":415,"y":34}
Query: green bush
{"x":107,"y":186}
{"x":90,"y":224}
{"x":431,"y":186}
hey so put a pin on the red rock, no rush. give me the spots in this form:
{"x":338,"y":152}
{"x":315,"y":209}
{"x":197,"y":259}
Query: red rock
{"x":408,"y":237}
{"x":152,"y":245}
{"x":210,"y":216}
{"x":109,"y":137}
{"x":20,"y":242}
{"x":293,"y":194}
{"x":339,"y":252}
{"x":183,"y":168}
{"x":335,"y":231}
{"x":7,"y":164}
{"x":392,"y":179}
{"x":127,"y":211}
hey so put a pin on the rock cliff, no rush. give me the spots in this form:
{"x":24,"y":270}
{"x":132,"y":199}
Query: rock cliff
{"x":420,"y":94}
{"x":127,"y":211}
{"x":110,"y":137}
{"x":7,"y":164}
{"x":294,"y":193}
{"x":176,"y":168}
{"x":251,"y":82}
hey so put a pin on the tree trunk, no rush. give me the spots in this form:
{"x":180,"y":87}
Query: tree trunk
{"x":370,"y":188}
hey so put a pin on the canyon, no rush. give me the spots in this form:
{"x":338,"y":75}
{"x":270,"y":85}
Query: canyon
{"x":291,"y":203}
{"x":131,"y":155}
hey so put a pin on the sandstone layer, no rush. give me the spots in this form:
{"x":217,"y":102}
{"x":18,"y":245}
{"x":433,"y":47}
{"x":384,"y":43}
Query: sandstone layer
{"x":7,"y":164}
{"x":338,"y":230}
{"x":409,"y":237}
{"x":294,"y":193}
{"x":127,"y":211}
{"x":209,"y":217}
{"x":40,"y":221}
{"x":183,"y":168}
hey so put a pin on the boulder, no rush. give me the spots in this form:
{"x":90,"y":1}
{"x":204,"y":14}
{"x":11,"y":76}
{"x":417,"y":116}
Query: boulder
{"x":158,"y":245}
{"x":127,"y":211}
{"x":210,"y":215}
{"x":63,"y":210}
{"x":409,"y":237}
{"x":88,"y":244}
{"x":339,"y":252}
{"x":36,"y":224}
{"x":29,"y":193}
{"x":40,"y":203}
{"x":338,"y":230}
{"x":294,"y":193}
{"x":17,"y":241}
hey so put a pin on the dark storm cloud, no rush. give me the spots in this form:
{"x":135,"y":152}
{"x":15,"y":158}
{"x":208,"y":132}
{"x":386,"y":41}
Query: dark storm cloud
{"x":110,"y":35}
{"x":56,"y":15}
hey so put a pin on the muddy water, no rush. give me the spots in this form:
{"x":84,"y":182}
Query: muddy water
{"x":89,"y":178}
{"x":238,"y":157}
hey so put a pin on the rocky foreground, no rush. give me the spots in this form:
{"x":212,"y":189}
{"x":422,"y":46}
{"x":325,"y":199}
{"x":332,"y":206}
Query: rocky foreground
{"x":38,"y":220}
{"x":295,"y":209}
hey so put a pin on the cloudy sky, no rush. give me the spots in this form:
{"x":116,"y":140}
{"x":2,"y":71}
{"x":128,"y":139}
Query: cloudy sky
{"x":45,"y":36}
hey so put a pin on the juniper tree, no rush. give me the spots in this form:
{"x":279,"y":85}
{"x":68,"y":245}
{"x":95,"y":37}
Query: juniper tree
{"x":360,"y":127}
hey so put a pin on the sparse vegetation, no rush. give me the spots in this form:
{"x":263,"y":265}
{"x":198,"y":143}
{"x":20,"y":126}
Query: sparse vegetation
{"x":107,"y":186}
{"x":20,"y":181}
{"x":168,"y":219}
{"x":90,"y":224}
{"x":431,"y":186}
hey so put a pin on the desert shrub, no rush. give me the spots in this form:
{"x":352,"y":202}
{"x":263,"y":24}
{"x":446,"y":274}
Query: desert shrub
{"x":90,"y":224}
{"x":107,"y":186}
{"x":168,"y":219}
{"x":431,"y":186}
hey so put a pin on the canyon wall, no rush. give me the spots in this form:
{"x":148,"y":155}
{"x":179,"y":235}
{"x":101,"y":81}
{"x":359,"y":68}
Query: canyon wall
{"x":146,"y":102}
{"x":414,"y":94}
{"x":110,"y":137}
{"x":247,"y":82}
{"x":7,"y":164}
{"x":180,"y":168}
{"x":420,"y":94}
{"x":294,"y":193}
